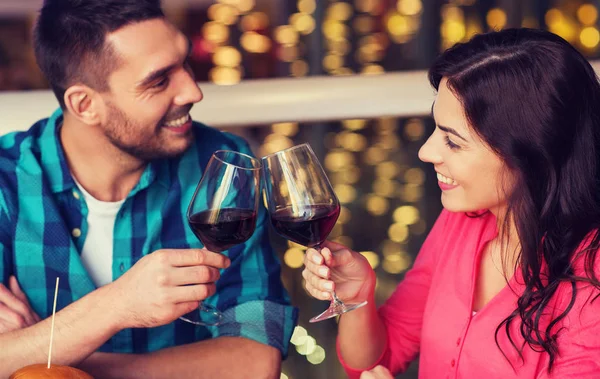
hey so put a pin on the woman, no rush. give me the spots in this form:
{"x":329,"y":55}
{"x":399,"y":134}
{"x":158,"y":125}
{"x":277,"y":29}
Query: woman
{"x":505,"y":283}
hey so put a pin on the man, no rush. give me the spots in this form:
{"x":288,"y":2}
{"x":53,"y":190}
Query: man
{"x":97,"y":195}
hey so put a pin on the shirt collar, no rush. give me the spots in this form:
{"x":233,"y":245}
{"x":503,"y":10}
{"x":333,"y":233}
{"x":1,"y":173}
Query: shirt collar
{"x":56,"y":168}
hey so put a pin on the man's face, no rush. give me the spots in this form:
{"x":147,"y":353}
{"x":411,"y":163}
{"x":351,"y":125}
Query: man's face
{"x":151,"y":92}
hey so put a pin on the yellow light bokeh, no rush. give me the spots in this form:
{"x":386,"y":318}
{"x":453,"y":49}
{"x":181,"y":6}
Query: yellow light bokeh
{"x":375,"y":155}
{"x":299,"y":68}
{"x":414,"y":176}
{"x":345,"y":193}
{"x":352,"y":141}
{"x":377,"y":205}
{"x":587,"y":14}
{"x":345,"y":216}
{"x":254,"y":21}
{"x":387,"y":170}
{"x":215,"y":32}
{"x":389,"y":247}
{"x":398,"y":25}
{"x":335,"y":30}
{"x":223,"y":13}
{"x":339,"y":11}
{"x":411,"y":193}
{"x":384,"y":187}
{"x":227,"y":56}
{"x":398,"y":232}
{"x":372,"y":69}
{"x":307,"y":6}
{"x":356,"y":124}
{"x":245,"y":5}
{"x":453,"y":31}
{"x":339,"y":46}
{"x":338,"y":160}
{"x":589,"y":37}
{"x":304,"y":23}
{"x":496,"y":18}
{"x":406,"y":214}
{"x":395,"y":264}
{"x":414,"y":129}
{"x":333,"y":61}
{"x":350,"y":175}
{"x":225,"y":75}
{"x":372,"y":258}
{"x":409,"y":7}
{"x":255,"y":43}
{"x":367,"y":6}
{"x":288,"y":129}
{"x":294,"y":258}
{"x":286,"y":35}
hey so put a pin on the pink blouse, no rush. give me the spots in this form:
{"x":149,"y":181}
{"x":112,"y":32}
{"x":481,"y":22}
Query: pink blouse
{"x":430,"y":314}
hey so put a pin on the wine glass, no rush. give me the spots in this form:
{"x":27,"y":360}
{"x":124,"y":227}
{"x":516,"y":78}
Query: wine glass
{"x":222,"y":212}
{"x":302,"y":205}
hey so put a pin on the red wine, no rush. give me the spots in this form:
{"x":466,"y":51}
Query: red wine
{"x":309,"y":225}
{"x":231,"y":227}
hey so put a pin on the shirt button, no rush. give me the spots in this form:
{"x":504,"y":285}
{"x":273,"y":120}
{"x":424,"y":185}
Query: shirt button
{"x":453,"y":363}
{"x":458,"y":342}
{"x":76,"y":195}
{"x":122,"y":267}
{"x":76,"y":232}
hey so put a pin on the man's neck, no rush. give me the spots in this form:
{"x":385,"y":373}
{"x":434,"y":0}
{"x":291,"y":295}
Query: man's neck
{"x":106,"y":173}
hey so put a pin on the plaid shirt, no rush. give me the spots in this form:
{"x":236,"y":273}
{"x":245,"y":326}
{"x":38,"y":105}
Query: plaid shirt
{"x":43,"y":228}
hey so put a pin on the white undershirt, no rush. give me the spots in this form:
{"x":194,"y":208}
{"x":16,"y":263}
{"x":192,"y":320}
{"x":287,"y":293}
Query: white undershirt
{"x":97,"y":254}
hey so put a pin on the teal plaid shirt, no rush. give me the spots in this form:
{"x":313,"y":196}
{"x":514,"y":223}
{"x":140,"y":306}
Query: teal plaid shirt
{"x":43,"y":228}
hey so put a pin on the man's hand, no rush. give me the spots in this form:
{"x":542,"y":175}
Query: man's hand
{"x":378,"y":372}
{"x":15,"y":311}
{"x":165,"y":285}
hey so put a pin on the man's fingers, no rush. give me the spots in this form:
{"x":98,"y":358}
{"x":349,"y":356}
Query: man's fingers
{"x":198,"y":292}
{"x":11,"y":318}
{"x":16,"y":289}
{"x":196,"y":257}
{"x":195,"y":275}
{"x":11,"y":301}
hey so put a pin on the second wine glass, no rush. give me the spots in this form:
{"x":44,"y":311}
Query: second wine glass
{"x":222,"y":212}
{"x":302,"y":205}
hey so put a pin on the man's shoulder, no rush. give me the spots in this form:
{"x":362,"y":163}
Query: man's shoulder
{"x":18,"y":145}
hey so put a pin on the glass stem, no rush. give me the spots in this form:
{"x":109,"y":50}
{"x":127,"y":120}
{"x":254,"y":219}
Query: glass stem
{"x":334,"y":299}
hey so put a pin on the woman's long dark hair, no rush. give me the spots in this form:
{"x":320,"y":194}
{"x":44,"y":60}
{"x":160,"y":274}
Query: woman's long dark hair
{"x":536,"y":101}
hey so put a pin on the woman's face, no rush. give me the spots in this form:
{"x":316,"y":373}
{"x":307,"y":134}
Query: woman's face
{"x":472,"y":176}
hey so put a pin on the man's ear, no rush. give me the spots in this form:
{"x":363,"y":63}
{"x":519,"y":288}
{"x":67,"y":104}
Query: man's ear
{"x":83,"y":103}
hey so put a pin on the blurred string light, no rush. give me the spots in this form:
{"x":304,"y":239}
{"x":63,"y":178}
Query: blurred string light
{"x":560,"y":23}
{"x":307,"y":346}
{"x":336,"y":33}
{"x":496,"y":19}
{"x":216,"y":35}
{"x":290,"y":48}
{"x":453,"y":28}
{"x":403,"y":22}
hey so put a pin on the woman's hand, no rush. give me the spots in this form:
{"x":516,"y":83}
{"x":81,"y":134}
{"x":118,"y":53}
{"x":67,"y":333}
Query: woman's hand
{"x":341,"y":269}
{"x":378,"y":372}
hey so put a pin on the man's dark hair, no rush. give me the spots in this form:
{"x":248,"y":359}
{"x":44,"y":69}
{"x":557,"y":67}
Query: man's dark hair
{"x":69,"y":39}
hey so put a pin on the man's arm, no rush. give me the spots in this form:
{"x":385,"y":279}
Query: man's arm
{"x":79,"y":330}
{"x":159,"y":288}
{"x":224,"y":357}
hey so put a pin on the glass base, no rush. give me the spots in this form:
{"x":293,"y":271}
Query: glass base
{"x":206,"y":315}
{"x":336,"y":308}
